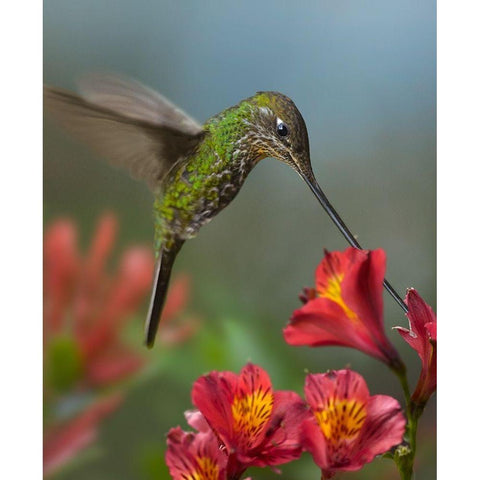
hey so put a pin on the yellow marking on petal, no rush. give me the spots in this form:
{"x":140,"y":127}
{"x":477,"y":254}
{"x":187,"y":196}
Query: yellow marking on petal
{"x":341,"y":420}
{"x":333,"y":291}
{"x":251,"y":413}
{"x":208,"y":469}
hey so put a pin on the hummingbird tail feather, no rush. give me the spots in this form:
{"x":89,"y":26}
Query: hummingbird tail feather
{"x":163,"y":268}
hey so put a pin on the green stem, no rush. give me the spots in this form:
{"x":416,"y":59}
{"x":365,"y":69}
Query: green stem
{"x":401,"y":373}
{"x":404,"y":455}
{"x":416,"y":411}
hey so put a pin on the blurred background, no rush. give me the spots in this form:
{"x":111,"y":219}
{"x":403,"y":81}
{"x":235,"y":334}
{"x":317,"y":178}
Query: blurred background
{"x":363,"y":76}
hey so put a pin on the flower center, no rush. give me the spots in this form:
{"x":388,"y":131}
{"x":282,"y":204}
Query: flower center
{"x":333,"y":291}
{"x":341,"y":420}
{"x":251,"y":413}
{"x":207,"y":470}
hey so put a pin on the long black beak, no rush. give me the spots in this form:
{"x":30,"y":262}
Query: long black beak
{"x":321,"y":197}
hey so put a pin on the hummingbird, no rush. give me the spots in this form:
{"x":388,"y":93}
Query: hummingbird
{"x":193,"y":170}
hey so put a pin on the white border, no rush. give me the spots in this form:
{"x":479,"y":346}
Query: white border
{"x":458,"y":191}
{"x":21,"y":240}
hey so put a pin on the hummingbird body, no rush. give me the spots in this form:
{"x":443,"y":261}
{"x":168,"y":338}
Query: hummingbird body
{"x":193,"y":170}
{"x":203,"y":183}
{"x":207,"y":180}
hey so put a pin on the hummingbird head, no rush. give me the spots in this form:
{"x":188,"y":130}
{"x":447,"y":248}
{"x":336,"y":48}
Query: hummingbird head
{"x":281,"y":133}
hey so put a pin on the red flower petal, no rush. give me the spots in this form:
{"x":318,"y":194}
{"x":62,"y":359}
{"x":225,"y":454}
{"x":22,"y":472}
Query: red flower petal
{"x":131,"y":286}
{"x":282,"y":442}
{"x":100,"y":249}
{"x":422,"y":337}
{"x":420,"y":314}
{"x":236,"y":407}
{"x":256,"y":425}
{"x":196,"y":420}
{"x":112,"y":365}
{"x":322,"y":322}
{"x":60,"y":270}
{"x":91,"y":288}
{"x":213,"y":394}
{"x":362,"y":289}
{"x":321,"y":389}
{"x":61,"y":443}
{"x":194,"y":455}
{"x":432,"y":331}
{"x":176,"y":298}
{"x":347,"y":427}
{"x":383,"y":429}
{"x":331,"y":270}
{"x":349,"y":309}
{"x":178,"y":332}
{"x":315,"y":443}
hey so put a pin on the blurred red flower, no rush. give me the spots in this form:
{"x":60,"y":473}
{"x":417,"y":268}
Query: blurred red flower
{"x":256,"y":426}
{"x":85,"y":311}
{"x":422,"y":336}
{"x":64,"y":440}
{"x":346,"y":306}
{"x":347,"y":427}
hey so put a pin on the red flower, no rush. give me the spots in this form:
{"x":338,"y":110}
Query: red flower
{"x":195,"y":455}
{"x":422,"y":336}
{"x":64,"y":440}
{"x":255,"y":425}
{"x":346,"y":307}
{"x":85,"y":310}
{"x":347,"y":427}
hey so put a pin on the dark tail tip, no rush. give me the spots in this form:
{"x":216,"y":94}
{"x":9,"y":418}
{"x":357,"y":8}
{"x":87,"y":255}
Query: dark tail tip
{"x":151,"y":329}
{"x":163,"y":269}
{"x":159,"y":294}
{"x":149,"y":342}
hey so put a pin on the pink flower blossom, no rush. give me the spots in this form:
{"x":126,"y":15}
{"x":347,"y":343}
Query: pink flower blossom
{"x":195,"y":455}
{"x":347,"y":427}
{"x":85,"y":309}
{"x":256,"y":425}
{"x":422,"y":337}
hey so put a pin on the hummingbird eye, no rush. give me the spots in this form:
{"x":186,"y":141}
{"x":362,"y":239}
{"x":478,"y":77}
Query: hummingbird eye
{"x":282,"y":129}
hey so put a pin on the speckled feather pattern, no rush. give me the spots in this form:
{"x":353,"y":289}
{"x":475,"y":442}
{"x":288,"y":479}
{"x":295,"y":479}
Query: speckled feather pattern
{"x":205,"y":181}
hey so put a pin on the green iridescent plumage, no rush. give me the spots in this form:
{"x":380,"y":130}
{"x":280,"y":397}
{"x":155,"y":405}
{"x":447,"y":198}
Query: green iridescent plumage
{"x":207,"y":178}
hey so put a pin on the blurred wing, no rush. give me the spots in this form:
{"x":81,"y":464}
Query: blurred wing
{"x":134,"y":100}
{"x":137,"y":141}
